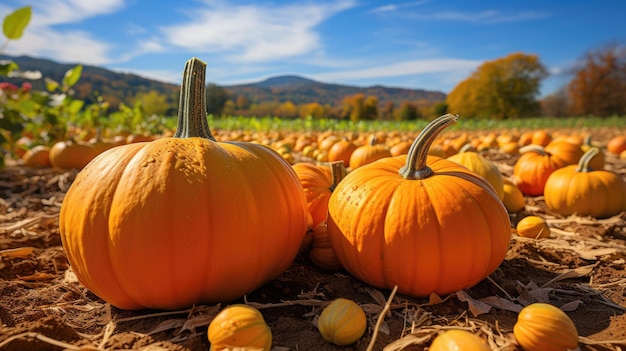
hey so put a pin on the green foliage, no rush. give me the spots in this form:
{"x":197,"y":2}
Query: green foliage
{"x":15,"y":23}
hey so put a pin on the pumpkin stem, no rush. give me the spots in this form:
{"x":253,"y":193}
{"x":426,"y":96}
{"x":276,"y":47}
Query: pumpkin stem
{"x":338,"y":171}
{"x":466,"y":148}
{"x":533,"y":148}
{"x":583,"y":163}
{"x":416,"y":167}
{"x":192,"y":115}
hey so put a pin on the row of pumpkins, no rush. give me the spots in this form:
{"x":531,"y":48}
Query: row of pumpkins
{"x":202,"y":221}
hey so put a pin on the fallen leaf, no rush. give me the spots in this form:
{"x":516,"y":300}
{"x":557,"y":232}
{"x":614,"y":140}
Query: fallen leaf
{"x":20,"y":252}
{"x":476,"y":307}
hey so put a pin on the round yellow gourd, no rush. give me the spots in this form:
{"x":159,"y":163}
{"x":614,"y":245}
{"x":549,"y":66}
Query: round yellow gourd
{"x":342,"y":322}
{"x":239,"y":326}
{"x":458,"y":340}
{"x":513,"y":198}
{"x":533,"y":227}
{"x":544,"y":327}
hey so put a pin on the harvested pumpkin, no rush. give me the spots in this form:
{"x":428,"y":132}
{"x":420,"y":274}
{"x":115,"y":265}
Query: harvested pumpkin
{"x":318,"y":182}
{"x":512,"y":197}
{"x":239,"y":327}
{"x":342,"y":322}
{"x":587,"y":192}
{"x":482,"y":166}
{"x":368,"y":153}
{"x":458,"y":340}
{"x":533,"y":227}
{"x":185,"y":220}
{"x":544,"y":327}
{"x":416,"y":221}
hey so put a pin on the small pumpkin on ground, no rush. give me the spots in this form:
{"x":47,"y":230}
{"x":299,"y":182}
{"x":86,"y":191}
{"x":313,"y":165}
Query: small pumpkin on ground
{"x":368,"y":153}
{"x":70,"y":154}
{"x":38,"y":156}
{"x":458,"y":340}
{"x":616,"y":144}
{"x":587,"y":192}
{"x":544,"y":327}
{"x":342,"y":322}
{"x":239,"y":327}
{"x":318,"y":182}
{"x":533,"y":227}
{"x":512,"y":198}
{"x":416,"y":221}
{"x":532,"y":169}
{"x":185,"y":220}
{"x":482,"y":166}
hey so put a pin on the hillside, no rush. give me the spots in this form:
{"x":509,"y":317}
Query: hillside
{"x":118,"y":87}
{"x":301,"y":90}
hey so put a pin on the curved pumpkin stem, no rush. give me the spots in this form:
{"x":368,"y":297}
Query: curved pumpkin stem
{"x":583,"y":163}
{"x":466,"y":148}
{"x":533,"y":148}
{"x":338,"y":171}
{"x":192,"y":115}
{"x":416,"y":167}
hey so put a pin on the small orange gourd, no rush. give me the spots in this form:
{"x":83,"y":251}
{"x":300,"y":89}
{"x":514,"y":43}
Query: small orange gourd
{"x":38,"y":156}
{"x":322,"y":253}
{"x":342,"y":322}
{"x":482,"y":166}
{"x":533,"y":227}
{"x":318,"y":182}
{"x":458,"y":340}
{"x":239,"y":327}
{"x":368,"y":153}
{"x":544,"y":327}
{"x":71,"y":154}
{"x":512,"y":198}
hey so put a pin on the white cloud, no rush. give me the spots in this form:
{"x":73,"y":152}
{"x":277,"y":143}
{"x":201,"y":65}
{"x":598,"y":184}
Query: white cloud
{"x":67,"y":46}
{"x":41,"y":38}
{"x":385,"y":8}
{"x":404,"y":68}
{"x":253,"y":32}
{"x":54,"y":12}
{"x":487,"y":16}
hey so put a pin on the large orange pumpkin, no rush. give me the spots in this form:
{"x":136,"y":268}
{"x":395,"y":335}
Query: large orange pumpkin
{"x":185,"y":220}
{"x":532,"y":169}
{"x":421,"y":222}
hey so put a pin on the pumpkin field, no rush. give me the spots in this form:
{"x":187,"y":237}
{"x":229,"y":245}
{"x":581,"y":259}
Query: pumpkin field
{"x":296,"y":221}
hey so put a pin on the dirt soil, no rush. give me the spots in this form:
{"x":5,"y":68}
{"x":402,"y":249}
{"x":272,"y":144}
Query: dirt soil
{"x":43,"y":307}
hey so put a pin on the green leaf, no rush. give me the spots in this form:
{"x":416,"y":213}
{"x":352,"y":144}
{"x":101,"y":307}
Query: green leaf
{"x":72,"y":76}
{"x":15,"y":23}
{"x":51,"y":85}
{"x":7,"y":66}
{"x":75,"y":106}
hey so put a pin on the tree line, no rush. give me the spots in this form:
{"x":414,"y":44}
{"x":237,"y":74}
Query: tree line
{"x":505,"y":88}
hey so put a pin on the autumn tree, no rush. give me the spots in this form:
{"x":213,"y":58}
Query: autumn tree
{"x":599,"y":83}
{"x":216,"y":97}
{"x":387,"y":112}
{"x":357,"y":107}
{"x":313,"y":109}
{"x":556,"y":104}
{"x":500,"y":89}
{"x":152,"y":103}
{"x":286,"y":110}
{"x":406,"y":112}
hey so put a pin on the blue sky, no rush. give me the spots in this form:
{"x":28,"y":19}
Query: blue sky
{"x":423,"y":44}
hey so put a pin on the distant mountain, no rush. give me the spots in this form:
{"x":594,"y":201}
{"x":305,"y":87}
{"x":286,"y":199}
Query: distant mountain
{"x":115,"y":87}
{"x":118,"y":87}
{"x":302,"y":90}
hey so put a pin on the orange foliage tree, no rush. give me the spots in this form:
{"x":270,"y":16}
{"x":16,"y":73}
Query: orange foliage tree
{"x":599,"y":83}
{"x":357,"y":107}
{"x":500,"y":89}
